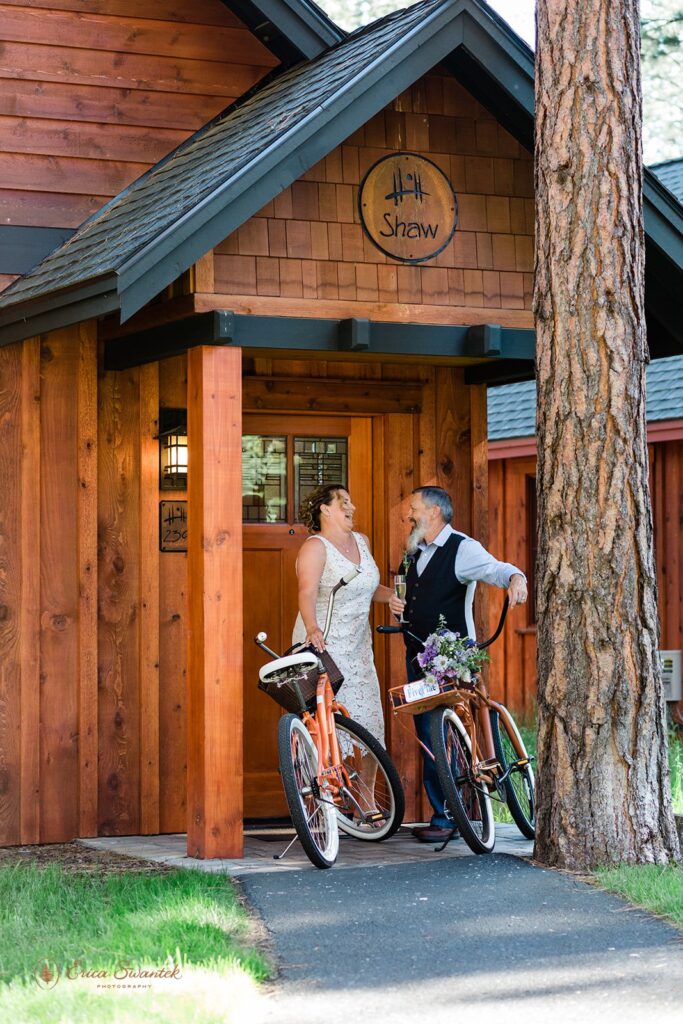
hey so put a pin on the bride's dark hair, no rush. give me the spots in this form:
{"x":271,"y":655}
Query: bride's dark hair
{"x":309,"y":512}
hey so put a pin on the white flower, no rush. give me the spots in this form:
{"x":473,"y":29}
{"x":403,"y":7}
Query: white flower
{"x":440,"y":663}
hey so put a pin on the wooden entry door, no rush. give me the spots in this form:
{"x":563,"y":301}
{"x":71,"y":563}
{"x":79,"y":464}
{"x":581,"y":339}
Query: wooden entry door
{"x":283,"y":457}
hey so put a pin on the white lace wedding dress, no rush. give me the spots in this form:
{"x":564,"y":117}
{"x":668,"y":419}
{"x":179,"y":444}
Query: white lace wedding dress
{"x":350,"y":639}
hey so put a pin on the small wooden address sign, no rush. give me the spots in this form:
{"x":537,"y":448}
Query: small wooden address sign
{"x":173,"y":526}
{"x":408,"y":207}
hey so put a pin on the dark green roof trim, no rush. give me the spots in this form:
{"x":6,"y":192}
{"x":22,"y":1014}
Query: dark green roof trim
{"x":223,"y":327}
{"x":497,"y":67}
{"x":663,"y":216}
{"x":293,"y":30}
{"x":94,"y":299}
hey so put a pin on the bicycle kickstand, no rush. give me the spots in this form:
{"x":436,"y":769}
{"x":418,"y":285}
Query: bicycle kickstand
{"x":290,"y":844}
{"x":440,"y":849}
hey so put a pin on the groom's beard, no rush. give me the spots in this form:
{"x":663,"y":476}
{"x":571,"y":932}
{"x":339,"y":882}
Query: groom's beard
{"x":416,"y":537}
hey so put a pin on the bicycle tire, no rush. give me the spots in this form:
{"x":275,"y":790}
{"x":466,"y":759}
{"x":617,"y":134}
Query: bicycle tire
{"x":519,"y":785}
{"x":314,"y":819}
{"x":384,"y":793}
{"x":468,"y":803}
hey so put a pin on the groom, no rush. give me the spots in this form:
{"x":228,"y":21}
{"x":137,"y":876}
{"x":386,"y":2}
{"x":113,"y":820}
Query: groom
{"x":444,"y":570}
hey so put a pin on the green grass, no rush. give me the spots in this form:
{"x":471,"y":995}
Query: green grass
{"x":500,"y":811}
{"x":184,"y":919}
{"x":659,"y":889}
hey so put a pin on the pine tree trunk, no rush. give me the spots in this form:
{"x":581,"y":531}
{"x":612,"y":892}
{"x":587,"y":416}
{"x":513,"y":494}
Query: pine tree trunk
{"x":604,"y":793}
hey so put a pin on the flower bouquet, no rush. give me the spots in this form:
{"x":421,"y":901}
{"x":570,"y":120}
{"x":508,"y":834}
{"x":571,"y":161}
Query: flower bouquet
{"x":449,"y":662}
{"x":447,"y":658}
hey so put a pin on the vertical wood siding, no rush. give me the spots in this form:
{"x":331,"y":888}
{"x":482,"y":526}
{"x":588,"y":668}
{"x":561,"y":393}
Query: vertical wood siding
{"x":48,"y":556}
{"x":95,"y":93}
{"x":513,"y":657}
{"x":306,"y":252}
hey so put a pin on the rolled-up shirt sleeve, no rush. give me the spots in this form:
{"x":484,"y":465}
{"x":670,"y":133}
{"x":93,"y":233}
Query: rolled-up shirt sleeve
{"x":474,"y":563}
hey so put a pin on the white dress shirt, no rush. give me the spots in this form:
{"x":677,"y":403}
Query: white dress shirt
{"x":472,"y":564}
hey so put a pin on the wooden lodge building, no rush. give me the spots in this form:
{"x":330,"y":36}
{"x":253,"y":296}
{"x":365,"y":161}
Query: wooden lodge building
{"x":512,"y":518}
{"x":231,"y":235}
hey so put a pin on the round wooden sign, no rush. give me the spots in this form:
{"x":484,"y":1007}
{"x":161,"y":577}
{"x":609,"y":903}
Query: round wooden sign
{"x":408,"y":208}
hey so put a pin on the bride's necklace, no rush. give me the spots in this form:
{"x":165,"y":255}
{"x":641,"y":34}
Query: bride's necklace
{"x":348,"y":548}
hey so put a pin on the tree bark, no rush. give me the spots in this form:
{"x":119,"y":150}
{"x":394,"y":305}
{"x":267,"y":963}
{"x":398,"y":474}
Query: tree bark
{"x":603,"y":789}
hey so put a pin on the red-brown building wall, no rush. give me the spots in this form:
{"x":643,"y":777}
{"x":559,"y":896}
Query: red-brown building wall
{"x":95,"y":93}
{"x":511,"y":536}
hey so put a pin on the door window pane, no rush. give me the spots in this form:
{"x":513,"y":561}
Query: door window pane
{"x":264,"y":479}
{"x":318,"y":461}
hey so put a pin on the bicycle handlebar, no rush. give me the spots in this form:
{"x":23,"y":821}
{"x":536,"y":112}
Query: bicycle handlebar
{"x":481,"y":646}
{"x":260,"y":638}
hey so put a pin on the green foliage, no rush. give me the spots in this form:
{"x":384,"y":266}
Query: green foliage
{"x":659,"y":889}
{"x":187,"y":920}
{"x":676,"y":768}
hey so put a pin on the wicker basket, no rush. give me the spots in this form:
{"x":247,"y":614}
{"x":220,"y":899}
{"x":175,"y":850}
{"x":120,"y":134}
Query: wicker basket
{"x":292,"y":681}
{"x":403,"y":701}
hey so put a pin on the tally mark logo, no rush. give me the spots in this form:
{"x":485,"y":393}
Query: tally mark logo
{"x":400,"y":191}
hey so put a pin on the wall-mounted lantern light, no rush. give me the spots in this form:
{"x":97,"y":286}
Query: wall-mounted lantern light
{"x":173,"y":449}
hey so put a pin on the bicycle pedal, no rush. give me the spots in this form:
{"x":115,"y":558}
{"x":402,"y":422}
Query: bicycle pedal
{"x":376,"y":816}
{"x":492,"y":762}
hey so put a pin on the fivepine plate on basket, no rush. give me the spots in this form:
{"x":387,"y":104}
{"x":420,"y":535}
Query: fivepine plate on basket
{"x":414,"y":698}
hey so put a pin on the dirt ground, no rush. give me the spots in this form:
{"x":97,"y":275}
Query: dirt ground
{"x":74,"y":857}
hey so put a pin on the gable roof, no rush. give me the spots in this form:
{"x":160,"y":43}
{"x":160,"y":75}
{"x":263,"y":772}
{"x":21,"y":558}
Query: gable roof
{"x":512,"y":408}
{"x":293,"y":30}
{"x":197,"y":195}
{"x":670,"y":173}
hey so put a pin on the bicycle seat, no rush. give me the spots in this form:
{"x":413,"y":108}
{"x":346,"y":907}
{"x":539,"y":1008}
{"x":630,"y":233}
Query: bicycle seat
{"x":304,"y":661}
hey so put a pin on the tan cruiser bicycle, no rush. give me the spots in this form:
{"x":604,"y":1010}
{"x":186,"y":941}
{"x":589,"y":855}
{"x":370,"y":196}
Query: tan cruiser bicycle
{"x":479,"y":752}
{"x":335,"y":774}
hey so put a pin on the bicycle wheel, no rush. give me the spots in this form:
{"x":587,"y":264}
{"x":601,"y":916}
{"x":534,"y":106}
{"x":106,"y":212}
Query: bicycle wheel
{"x":467,"y":801}
{"x":313,"y":814}
{"x":374,"y":784}
{"x":519,"y":785}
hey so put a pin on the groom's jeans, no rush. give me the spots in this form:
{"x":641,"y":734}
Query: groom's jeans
{"x":430,"y":775}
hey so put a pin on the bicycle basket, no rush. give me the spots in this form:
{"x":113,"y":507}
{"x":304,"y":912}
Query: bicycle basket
{"x":292,"y":681}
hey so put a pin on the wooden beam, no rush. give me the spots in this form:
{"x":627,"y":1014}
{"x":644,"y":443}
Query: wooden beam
{"x":149,"y":599}
{"x":290,"y":394}
{"x":87,"y":577}
{"x":480,"y":493}
{"x":215,"y":702}
{"x":452,"y":424}
{"x":29,"y":610}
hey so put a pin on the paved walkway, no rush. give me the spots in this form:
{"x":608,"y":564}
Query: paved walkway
{"x":260,"y":846}
{"x":397,"y":933}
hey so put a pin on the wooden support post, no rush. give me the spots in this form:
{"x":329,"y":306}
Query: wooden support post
{"x":215,"y":702}
{"x":87,"y":578}
{"x":479,"y":461}
{"x":149,"y":599}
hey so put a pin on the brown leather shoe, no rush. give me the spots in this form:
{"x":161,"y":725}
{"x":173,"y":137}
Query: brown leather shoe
{"x":434,"y":834}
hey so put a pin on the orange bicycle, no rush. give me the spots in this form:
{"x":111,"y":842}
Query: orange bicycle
{"x":335,"y":774}
{"x":479,"y":752}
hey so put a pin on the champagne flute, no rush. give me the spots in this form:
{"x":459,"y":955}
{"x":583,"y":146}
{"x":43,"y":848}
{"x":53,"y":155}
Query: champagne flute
{"x":400,"y":591}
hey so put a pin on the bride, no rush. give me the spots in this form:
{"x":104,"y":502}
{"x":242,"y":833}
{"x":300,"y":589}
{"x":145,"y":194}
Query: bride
{"x":324,"y":558}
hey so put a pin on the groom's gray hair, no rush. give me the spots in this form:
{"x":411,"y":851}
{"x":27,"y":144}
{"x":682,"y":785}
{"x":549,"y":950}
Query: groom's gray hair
{"x":437,"y":496}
